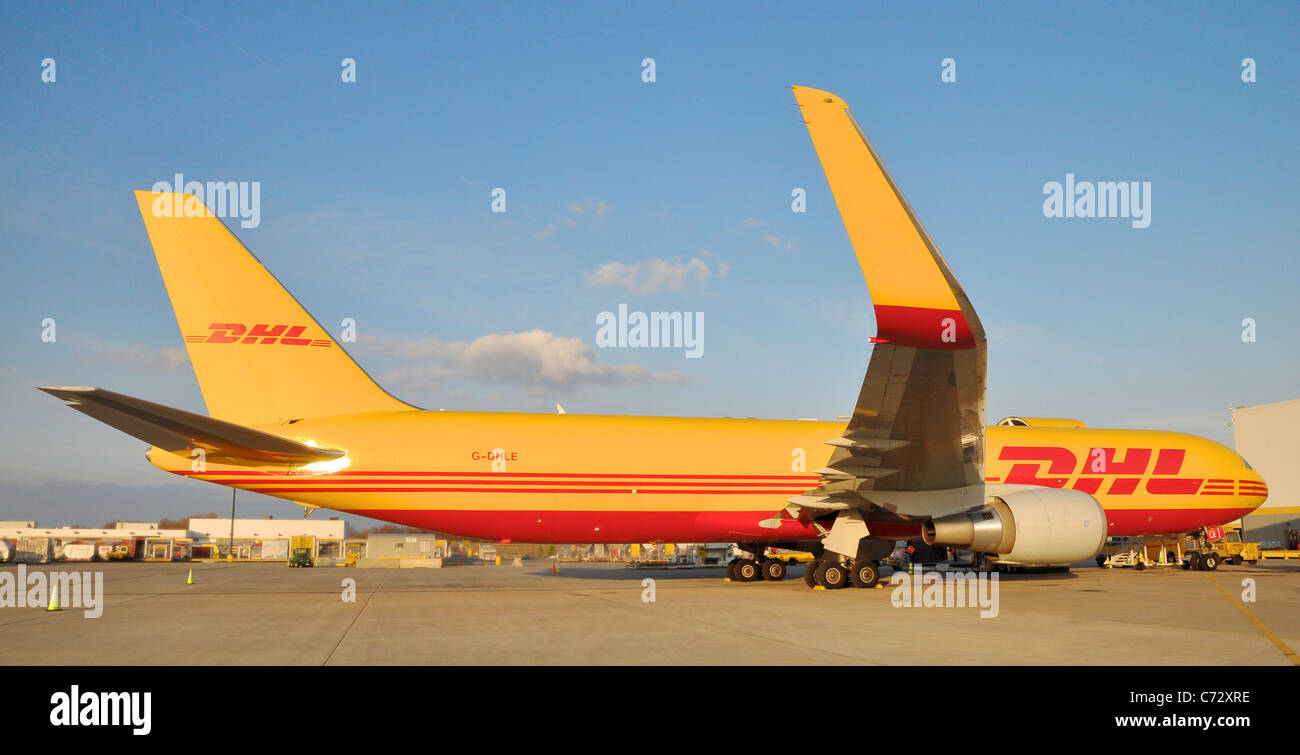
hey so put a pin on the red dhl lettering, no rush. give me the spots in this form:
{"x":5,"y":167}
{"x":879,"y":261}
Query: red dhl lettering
{"x":1099,"y":465}
{"x":263,"y":333}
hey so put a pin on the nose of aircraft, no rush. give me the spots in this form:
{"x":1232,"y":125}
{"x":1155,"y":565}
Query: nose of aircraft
{"x":1252,"y":491}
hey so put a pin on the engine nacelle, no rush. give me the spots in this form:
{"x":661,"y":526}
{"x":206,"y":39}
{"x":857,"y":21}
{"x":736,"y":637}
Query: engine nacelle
{"x":1023,"y":524}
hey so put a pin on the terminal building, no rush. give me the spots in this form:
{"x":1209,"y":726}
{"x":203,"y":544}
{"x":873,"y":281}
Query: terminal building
{"x":1265,"y":436}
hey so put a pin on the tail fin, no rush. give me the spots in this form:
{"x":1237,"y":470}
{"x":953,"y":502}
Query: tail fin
{"x":259,"y":357}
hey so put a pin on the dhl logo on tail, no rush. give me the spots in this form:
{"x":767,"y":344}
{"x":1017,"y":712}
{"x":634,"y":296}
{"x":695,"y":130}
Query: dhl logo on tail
{"x":234,"y":332}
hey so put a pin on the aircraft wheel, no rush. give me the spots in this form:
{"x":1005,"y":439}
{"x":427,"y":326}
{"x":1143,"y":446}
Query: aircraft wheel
{"x":1210,"y":562}
{"x":832,"y":575}
{"x":731,"y":570}
{"x":774,"y":570}
{"x":747,"y":570}
{"x":1195,"y":561}
{"x":810,"y":574}
{"x":865,"y":573}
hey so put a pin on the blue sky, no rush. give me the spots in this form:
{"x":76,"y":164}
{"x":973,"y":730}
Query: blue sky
{"x":375,"y":205}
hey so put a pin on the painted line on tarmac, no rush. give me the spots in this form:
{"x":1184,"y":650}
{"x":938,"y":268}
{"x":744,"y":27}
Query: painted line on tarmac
{"x":360,"y":611}
{"x":1268,"y":634}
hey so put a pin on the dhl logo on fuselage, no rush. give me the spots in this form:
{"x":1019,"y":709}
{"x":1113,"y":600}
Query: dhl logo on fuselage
{"x":1102,"y":464}
{"x":235,"y":332}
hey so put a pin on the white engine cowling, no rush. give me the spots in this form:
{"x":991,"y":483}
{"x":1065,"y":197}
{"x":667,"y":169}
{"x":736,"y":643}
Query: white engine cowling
{"x":1024,"y":524}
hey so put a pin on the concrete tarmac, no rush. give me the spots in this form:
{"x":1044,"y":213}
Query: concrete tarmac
{"x":595,"y":614}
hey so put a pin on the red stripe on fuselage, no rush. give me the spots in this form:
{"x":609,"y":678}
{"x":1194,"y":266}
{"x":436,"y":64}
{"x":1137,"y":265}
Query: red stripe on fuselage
{"x":385,"y":473}
{"x":719,"y":526}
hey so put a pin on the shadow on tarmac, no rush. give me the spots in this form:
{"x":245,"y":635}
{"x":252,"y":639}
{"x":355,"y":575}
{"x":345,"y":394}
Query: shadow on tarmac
{"x":613,"y":572}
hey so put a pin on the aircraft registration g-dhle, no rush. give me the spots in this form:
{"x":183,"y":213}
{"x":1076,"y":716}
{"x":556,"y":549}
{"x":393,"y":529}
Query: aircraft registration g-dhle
{"x":291,"y":415}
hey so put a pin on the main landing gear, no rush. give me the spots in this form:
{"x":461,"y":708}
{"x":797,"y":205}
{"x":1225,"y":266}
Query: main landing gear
{"x":834,"y":570}
{"x":833,"y":573}
{"x":747,"y":569}
{"x":757,"y":566}
{"x":830,"y":571}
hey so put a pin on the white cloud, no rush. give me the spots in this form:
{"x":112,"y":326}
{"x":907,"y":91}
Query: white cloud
{"x":533,"y":358}
{"x":752,"y":221}
{"x":773,"y":239}
{"x":598,"y":208}
{"x":577,"y":211}
{"x":139,"y":355}
{"x":650,"y":276}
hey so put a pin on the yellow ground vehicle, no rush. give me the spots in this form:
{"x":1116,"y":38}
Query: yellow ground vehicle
{"x":1204,"y":550}
{"x":1232,"y":550}
{"x":791,"y":557}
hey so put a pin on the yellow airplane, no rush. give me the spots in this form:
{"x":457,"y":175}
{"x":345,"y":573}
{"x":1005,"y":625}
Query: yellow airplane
{"x":293,"y":416}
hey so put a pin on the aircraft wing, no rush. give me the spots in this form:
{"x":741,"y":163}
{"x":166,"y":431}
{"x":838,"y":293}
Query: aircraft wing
{"x":180,"y":432}
{"x":915,"y":443}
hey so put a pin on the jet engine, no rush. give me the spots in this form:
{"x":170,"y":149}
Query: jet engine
{"x":1026,"y":525}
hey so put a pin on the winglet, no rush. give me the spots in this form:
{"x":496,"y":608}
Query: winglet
{"x":917,"y":299}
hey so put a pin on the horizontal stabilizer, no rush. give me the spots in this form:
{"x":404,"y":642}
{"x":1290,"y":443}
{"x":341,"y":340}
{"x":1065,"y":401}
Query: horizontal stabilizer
{"x":180,"y":432}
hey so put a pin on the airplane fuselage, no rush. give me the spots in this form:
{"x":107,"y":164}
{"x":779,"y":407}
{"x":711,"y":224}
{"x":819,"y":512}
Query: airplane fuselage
{"x":577,"y":478}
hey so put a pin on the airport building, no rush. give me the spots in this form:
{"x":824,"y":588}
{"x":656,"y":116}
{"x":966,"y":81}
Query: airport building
{"x":406,"y":546}
{"x":205,"y":539}
{"x":275,"y":540}
{"x":1265,"y":436}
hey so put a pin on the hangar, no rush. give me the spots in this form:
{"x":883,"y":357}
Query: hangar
{"x":1265,"y":436}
